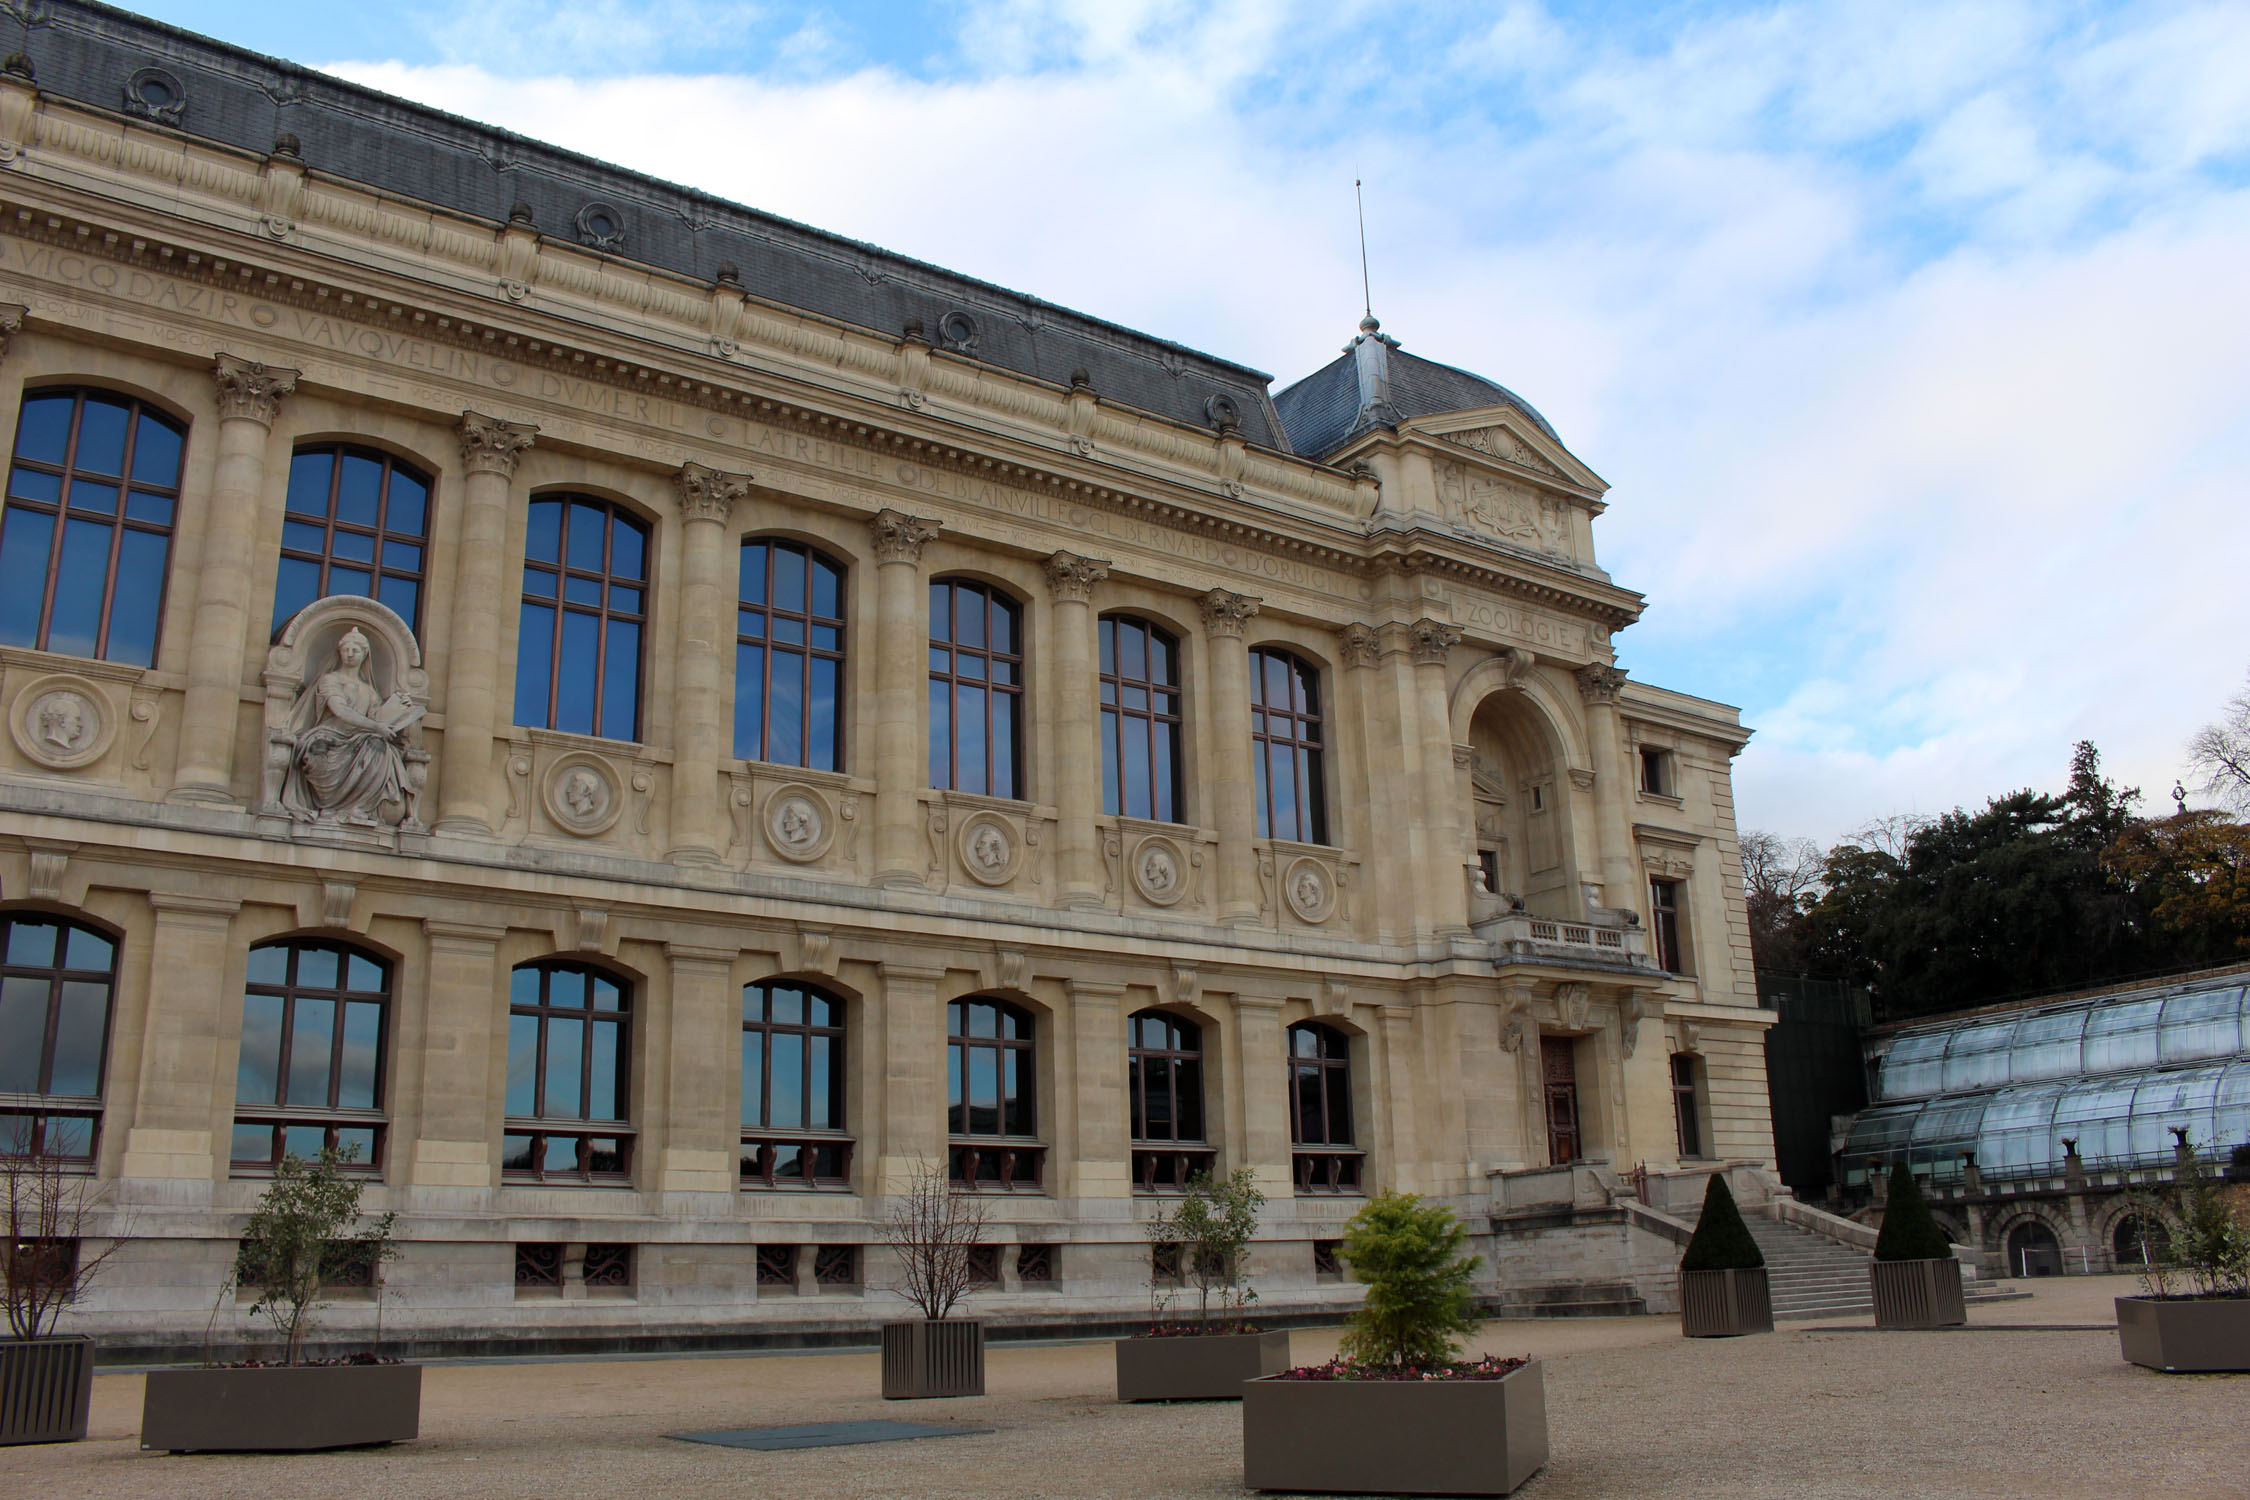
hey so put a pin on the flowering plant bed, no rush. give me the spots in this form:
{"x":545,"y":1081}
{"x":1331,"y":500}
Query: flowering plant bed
{"x":1473,"y":1429}
{"x":1491,"y":1367}
{"x":1209,"y":1330}
{"x":307,"y":1364}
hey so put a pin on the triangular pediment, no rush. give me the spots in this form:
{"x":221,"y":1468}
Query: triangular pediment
{"x":1506,"y":437}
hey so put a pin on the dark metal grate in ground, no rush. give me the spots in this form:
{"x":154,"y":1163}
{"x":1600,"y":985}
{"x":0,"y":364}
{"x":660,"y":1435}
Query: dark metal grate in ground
{"x":826,"y":1435}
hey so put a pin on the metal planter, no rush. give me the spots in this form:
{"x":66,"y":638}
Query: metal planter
{"x":933,"y":1357}
{"x":1395,"y":1437}
{"x":1197,"y":1367}
{"x":1917,"y":1293}
{"x":46,"y":1389}
{"x":2185,"y":1335}
{"x":281,"y":1408}
{"x":1723,"y":1304}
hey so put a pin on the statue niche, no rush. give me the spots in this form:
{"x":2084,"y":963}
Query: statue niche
{"x":345,"y":700}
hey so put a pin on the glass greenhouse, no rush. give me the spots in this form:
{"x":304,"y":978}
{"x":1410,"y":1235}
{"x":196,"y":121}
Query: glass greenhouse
{"x":2116,"y":1073}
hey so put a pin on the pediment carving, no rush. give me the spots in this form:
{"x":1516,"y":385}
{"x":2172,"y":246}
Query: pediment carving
{"x":1500,"y":507}
{"x":1499,"y":442}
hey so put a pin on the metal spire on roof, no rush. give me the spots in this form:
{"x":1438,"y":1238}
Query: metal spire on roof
{"x":1366,"y":297}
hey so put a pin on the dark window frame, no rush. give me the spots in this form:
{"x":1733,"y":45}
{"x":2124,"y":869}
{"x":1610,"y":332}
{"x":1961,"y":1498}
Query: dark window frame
{"x":1687,"y":1109}
{"x":41,"y":1106}
{"x":1290,"y":731}
{"x":1667,"y":927}
{"x":329,"y":1116}
{"x":1166,"y":1163}
{"x":1333,"y":1162}
{"x":538,"y":1128}
{"x":1656,"y":772}
{"x":1004,"y":1159}
{"x":381,"y":535}
{"x":823,"y":1152}
{"x":605,"y":614}
{"x":119,"y":521}
{"x":990,"y":666}
{"x":1125,"y":721}
{"x":806,"y":649}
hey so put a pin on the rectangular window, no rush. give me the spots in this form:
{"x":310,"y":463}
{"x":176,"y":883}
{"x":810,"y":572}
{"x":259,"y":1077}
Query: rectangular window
{"x":1667,"y":921}
{"x":1684,"y":1108}
{"x":1656,"y":772}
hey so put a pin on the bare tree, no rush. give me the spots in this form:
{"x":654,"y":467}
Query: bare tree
{"x":933,"y":1226}
{"x":1889,"y":835}
{"x":1781,"y":869}
{"x":2219,"y":754}
{"x":44,"y":1261}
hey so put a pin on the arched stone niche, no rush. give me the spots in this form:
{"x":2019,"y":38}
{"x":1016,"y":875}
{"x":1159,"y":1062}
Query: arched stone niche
{"x":344,"y":739}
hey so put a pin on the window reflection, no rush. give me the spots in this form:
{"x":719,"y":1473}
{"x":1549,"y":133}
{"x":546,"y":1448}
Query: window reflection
{"x":578,"y":661}
{"x":976,"y":689}
{"x":313,"y":1020}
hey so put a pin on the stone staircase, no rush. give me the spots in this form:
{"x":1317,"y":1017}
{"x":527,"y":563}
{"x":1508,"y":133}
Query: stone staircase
{"x":1813,"y":1277}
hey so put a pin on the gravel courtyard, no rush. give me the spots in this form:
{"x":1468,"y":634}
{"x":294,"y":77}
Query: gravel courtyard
{"x":2014,"y":1406}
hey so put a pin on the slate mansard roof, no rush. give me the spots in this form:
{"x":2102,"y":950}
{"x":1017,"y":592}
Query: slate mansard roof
{"x":90,"y":54}
{"x":1324,"y":410}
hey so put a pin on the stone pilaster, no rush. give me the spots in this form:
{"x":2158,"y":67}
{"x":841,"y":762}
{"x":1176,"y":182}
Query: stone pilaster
{"x":1445,"y":900}
{"x":1232,"y":780}
{"x":901,"y":651}
{"x":249,"y":400}
{"x":186,"y":1030}
{"x":707,"y":498}
{"x":698,"y":1135}
{"x":490,"y":449}
{"x":1077,"y":720}
{"x":1262,"y":1083}
{"x":1101,"y":1165}
{"x":464,"y":1058}
{"x":1598,"y":685}
{"x":911,"y":1130}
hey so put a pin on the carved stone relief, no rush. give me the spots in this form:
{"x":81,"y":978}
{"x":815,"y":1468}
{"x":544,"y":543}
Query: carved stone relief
{"x":1512,"y":512}
{"x":62,"y":723}
{"x":1159,"y":871}
{"x":582,"y":795}
{"x":1310,"y":891}
{"x":345,"y":699}
{"x":988,"y":849}
{"x":799,"y":826}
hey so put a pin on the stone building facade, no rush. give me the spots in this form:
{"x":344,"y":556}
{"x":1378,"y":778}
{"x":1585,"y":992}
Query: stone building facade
{"x":647,"y":722}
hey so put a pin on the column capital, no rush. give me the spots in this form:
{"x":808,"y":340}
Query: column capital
{"x":1598,"y":682}
{"x":1359,"y":645}
{"x":1073,"y":577}
{"x":1225,"y":614}
{"x":708,"y":494}
{"x":491,"y":446}
{"x":249,"y":389}
{"x":1431,"y":640}
{"x":12,"y":315}
{"x":898,"y":537}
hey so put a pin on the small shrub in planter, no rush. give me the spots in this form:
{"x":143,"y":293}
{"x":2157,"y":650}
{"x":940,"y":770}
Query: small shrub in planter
{"x":1397,"y":1412}
{"x":1915,"y":1279}
{"x":1723,"y":1288}
{"x":46,"y":1265}
{"x":306,"y":1224}
{"x":2193,"y":1313}
{"x":933,"y":1226}
{"x":1209,"y":1356}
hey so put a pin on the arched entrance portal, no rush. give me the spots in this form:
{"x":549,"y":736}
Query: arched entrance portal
{"x":1521,"y":806}
{"x":2033,"y":1250}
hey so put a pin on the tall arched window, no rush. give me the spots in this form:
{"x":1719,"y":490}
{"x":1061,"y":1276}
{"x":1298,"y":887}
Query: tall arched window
{"x":1285,"y":744}
{"x":1140,"y":721}
{"x":87,"y":533}
{"x":568,"y":1040}
{"x":56,"y":979}
{"x":357,"y":522}
{"x":789,"y":657}
{"x":991,"y":1099}
{"x":1164,"y":1092}
{"x":793,"y":1087}
{"x":1320,"y":1109}
{"x":310,"y":1073}
{"x":976,"y":689}
{"x":585,"y":606}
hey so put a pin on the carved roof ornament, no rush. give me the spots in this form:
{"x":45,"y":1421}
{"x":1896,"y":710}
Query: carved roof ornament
{"x":1225,"y":614}
{"x":155,"y":94}
{"x":249,"y":389}
{"x":601,"y":227}
{"x":1599,"y":682}
{"x":708,"y":494}
{"x":1359,"y":645}
{"x":491,"y":446}
{"x":1073,"y":577}
{"x":899,"y":537}
{"x":1431,"y":640}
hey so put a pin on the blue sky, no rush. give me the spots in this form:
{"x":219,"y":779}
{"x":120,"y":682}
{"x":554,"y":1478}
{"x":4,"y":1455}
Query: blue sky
{"x":1914,"y":338}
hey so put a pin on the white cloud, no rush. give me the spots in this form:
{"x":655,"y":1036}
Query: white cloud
{"x":1913,"y":337}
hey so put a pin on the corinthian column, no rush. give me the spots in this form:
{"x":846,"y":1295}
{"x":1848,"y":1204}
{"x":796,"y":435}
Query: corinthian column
{"x":249,"y":400}
{"x":1232,"y":785}
{"x":1445,"y":900}
{"x":706,"y":499}
{"x":1598,"y":684}
{"x":901,"y":648}
{"x":489,"y":450}
{"x":1078,"y":748}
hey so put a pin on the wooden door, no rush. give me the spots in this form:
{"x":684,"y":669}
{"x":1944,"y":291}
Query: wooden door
{"x":1558,"y":1066}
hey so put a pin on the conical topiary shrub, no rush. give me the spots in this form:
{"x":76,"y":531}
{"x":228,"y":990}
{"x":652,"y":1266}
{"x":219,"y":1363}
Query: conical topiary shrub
{"x":1909,"y":1233}
{"x":1722,"y":1241}
{"x":1723,"y":1289}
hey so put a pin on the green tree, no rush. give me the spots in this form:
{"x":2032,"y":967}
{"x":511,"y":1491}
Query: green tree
{"x":300,"y":1235}
{"x":1418,"y":1300}
{"x":2191,"y":873}
{"x":1909,"y":1233}
{"x":1721,"y":1241}
{"x":1212,"y":1227}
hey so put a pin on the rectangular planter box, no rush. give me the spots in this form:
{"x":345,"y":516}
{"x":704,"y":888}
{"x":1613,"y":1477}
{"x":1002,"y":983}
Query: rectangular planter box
{"x":1197,"y":1367}
{"x":281,"y":1409}
{"x":2187,"y":1335}
{"x":1917,"y":1293}
{"x":1395,"y":1437}
{"x":933,"y":1357}
{"x":1722,"y":1304}
{"x":46,"y":1388}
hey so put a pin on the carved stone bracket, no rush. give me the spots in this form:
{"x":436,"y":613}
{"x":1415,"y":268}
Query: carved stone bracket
{"x":1073,"y":577}
{"x":1574,"y":1005}
{"x":49,"y":865}
{"x":708,"y":494}
{"x":250,"y":390}
{"x":593,"y":928}
{"x":1431,"y":641}
{"x":491,"y":446}
{"x":1225,"y":614}
{"x":1631,"y":1011}
{"x":898,"y":537}
{"x":1184,"y":986}
{"x":816,"y":953}
{"x":1013,"y":969}
{"x":336,"y":898}
{"x":11,"y":323}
